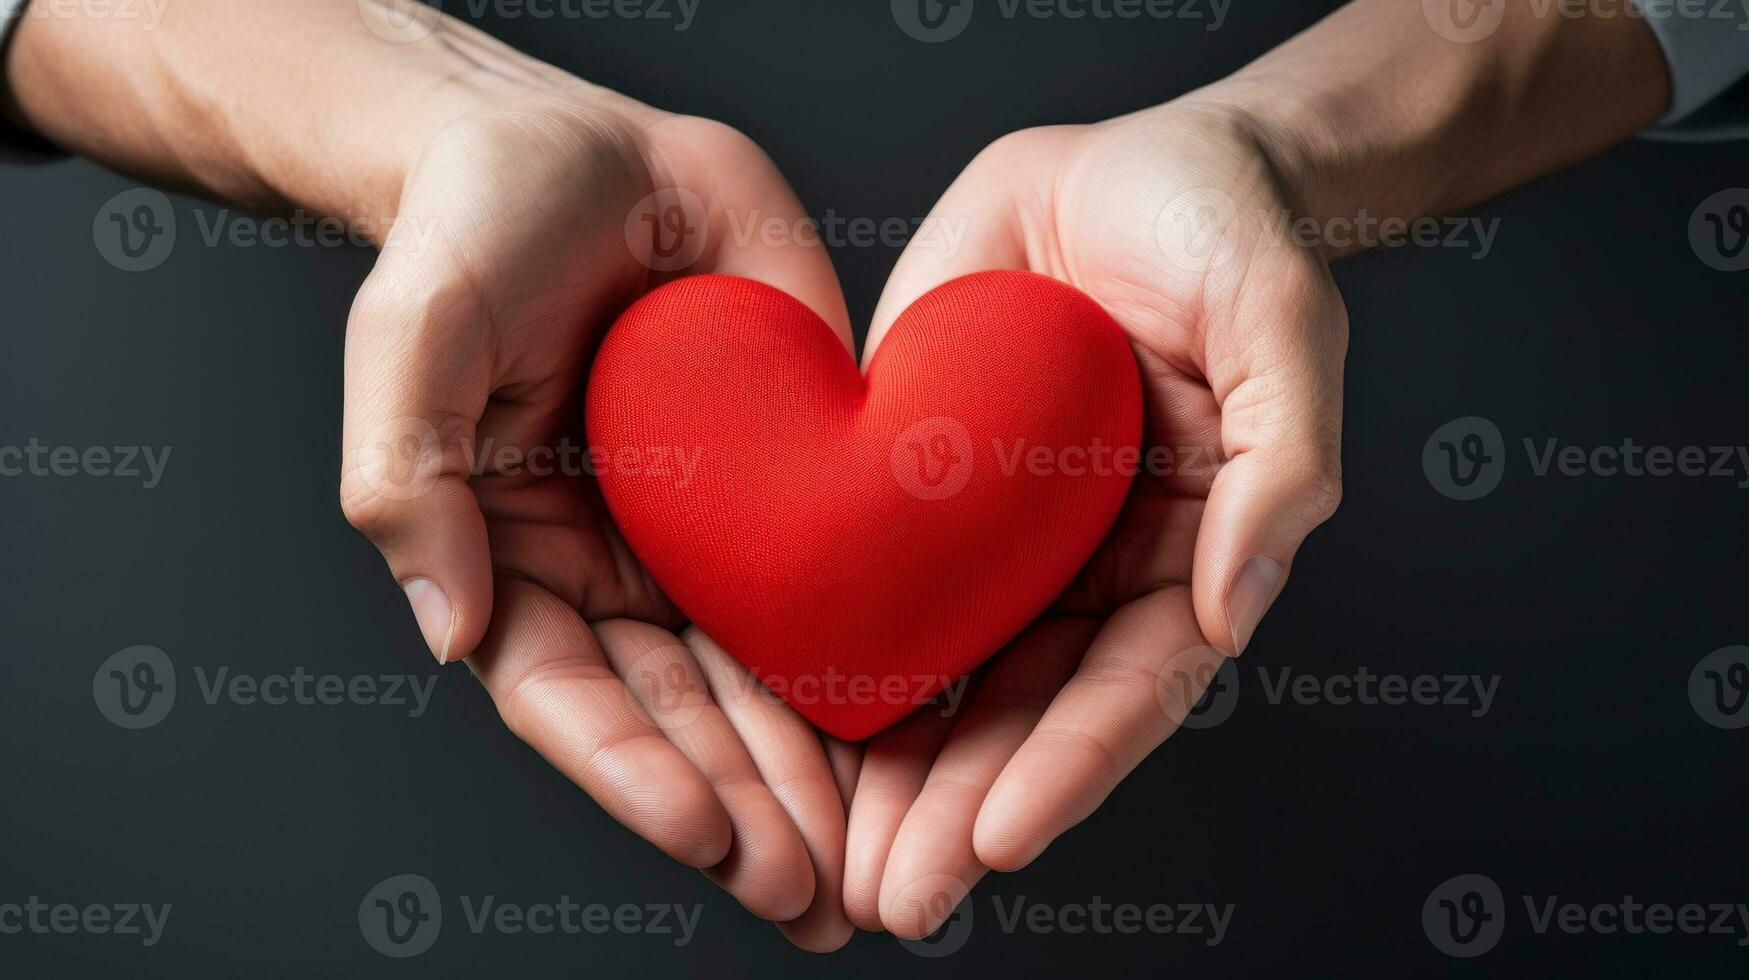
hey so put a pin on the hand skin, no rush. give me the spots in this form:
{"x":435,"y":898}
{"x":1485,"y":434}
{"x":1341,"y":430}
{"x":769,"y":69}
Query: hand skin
{"x":1172,"y":218}
{"x":501,"y":190}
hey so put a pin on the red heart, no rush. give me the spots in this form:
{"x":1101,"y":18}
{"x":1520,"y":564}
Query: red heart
{"x":862,"y":543}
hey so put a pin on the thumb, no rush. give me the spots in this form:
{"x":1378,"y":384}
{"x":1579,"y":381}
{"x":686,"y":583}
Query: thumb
{"x":418,"y":356}
{"x":978,"y":225}
{"x":1280,"y":391}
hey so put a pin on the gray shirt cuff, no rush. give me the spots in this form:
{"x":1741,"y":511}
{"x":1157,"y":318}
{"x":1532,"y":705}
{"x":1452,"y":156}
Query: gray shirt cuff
{"x":1706,"y":45}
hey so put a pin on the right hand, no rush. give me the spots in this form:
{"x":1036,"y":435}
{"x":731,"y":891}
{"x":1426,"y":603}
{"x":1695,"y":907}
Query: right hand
{"x":1173,"y":219}
{"x":522,"y":231}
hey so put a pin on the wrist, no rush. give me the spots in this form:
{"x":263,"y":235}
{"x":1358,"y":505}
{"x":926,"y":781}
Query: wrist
{"x":453,"y":75}
{"x":1375,"y":110}
{"x":349,"y":153}
{"x":278,"y":105}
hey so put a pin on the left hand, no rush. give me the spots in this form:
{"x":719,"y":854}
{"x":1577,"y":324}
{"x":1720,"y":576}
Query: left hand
{"x":467,"y":346}
{"x":1169,"y":219}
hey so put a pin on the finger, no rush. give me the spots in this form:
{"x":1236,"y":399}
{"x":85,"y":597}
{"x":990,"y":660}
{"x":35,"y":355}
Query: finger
{"x":979,"y":224}
{"x":1144,"y":671}
{"x":894,"y":767}
{"x":554,"y":689}
{"x":1150,"y":547}
{"x":753,"y":224}
{"x":933,"y":862}
{"x":1279,"y":383}
{"x":845,"y":758}
{"x":792,"y":762}
{"x":767,"y":869}
{"x":418,"y":362}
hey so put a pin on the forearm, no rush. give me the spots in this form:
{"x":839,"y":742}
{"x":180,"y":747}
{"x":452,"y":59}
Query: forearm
{"x":271,"y":103}
{"x":1373,"y":109}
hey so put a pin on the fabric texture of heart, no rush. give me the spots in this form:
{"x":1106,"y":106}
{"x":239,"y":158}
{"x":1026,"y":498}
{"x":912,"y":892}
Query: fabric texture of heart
{"x":860,"y":543}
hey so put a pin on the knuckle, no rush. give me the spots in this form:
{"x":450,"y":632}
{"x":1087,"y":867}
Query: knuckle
{"x":722,"y":143}
{"x":714,"y":131}
{"x":1321,"y":493}
{"x":1022,"y":144}
{"x":408,"y":300}
{"x":364,"y":505}
{"x":398,"y":462}
{"x":381,"y":297}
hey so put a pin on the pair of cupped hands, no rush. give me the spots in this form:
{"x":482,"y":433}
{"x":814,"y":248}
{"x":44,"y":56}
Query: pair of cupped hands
{"x":509,"y":260}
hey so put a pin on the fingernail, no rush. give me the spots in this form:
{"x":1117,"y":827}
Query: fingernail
{"x":1249,"y":597}
{"x":431,"y":609}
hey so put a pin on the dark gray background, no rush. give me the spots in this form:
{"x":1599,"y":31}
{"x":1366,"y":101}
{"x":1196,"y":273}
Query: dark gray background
{"x":1592,"y":598}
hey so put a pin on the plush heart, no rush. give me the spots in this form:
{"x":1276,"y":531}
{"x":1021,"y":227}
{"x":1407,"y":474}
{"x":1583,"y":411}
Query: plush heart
{"x":860,"y":543}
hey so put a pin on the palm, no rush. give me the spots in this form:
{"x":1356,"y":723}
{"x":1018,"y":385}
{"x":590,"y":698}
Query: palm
{"x":546,"y":269}
{"x":521,"y":235}
{"x":543,"y":512}
{"x":1166,"y":222}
